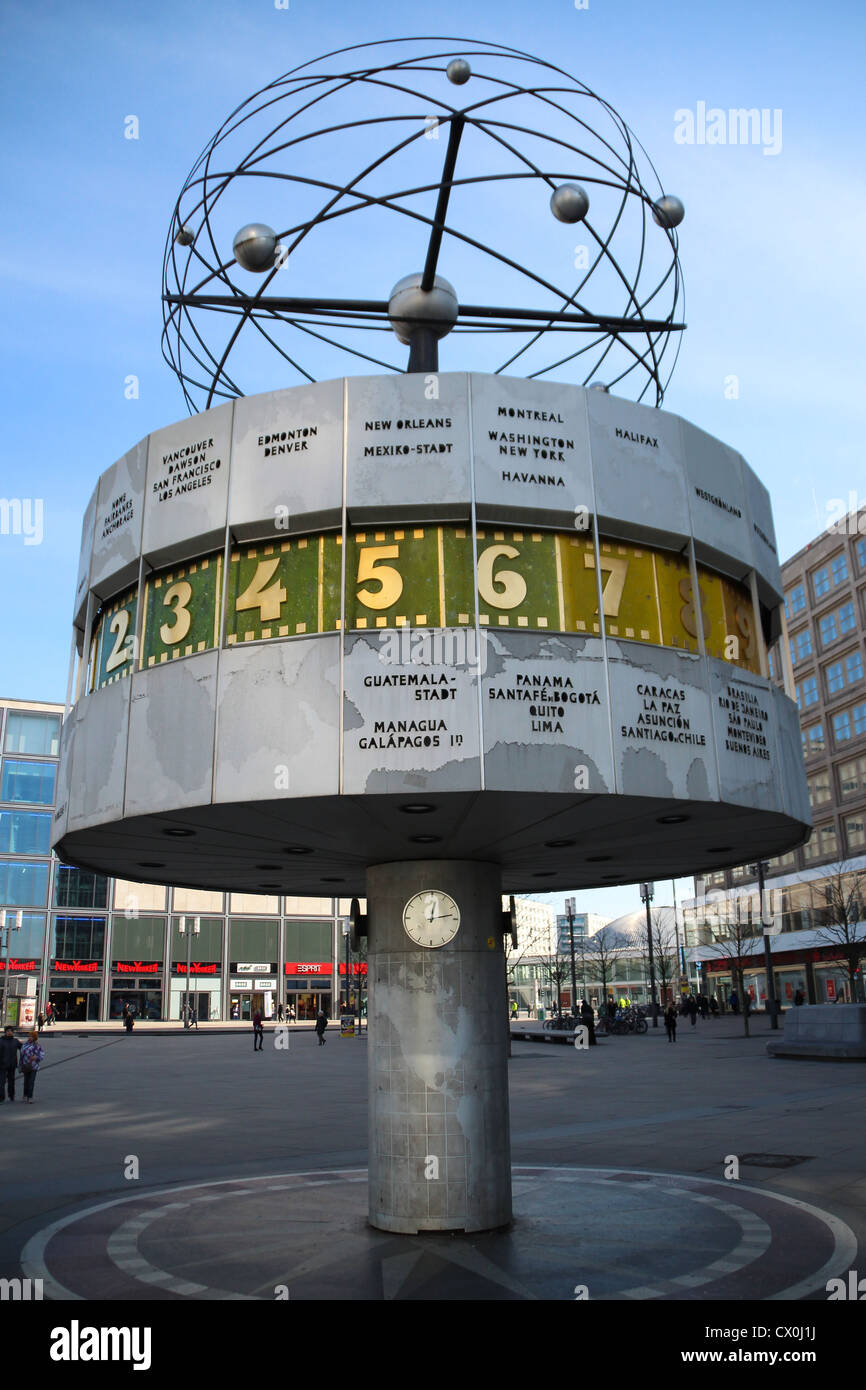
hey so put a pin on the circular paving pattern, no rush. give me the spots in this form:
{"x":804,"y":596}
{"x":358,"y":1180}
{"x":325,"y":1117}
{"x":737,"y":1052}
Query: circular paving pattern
{"x":594,"y":1233}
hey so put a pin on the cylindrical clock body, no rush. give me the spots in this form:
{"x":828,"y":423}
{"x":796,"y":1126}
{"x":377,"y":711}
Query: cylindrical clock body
{"x":439,"y":1148}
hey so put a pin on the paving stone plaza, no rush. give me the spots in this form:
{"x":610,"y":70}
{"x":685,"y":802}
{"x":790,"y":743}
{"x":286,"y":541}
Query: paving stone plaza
{"x":251,"y":1174}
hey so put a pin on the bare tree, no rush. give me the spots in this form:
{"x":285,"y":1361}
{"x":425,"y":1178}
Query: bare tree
{"x":842,"y":895}
{"x":733,"y":934}
{"x":664,"y":948}
{"x":603,"y":950}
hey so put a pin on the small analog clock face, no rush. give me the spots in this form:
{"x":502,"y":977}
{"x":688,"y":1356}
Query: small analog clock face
{"x":431,"y":918}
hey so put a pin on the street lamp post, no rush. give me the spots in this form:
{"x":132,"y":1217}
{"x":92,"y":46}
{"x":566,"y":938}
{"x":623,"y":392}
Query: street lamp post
{"x":646,"y":892}
{"x":5,"y":928}
{"x":194,"y":931}
{"x":760,"y":869}
{"x":569,"y":907}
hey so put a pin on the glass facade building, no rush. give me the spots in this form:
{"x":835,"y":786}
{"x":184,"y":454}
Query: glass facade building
{"x":93,"y":945}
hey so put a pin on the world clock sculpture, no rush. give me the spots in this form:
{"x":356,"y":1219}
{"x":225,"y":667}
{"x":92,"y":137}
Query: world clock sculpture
{"x":457,"y":628}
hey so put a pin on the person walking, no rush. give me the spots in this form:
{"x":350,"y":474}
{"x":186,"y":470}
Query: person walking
{"x":704,"y":1006}
{"x":671,"y":1023}
{"x":692,"y":1007}
{"x":587,"y":1018}
{"x":31,"y":1055}
{"x":798,"y":997}
{"x":40,"y":1021}
{"x":321,"y":1025}
{"x":9,"y":1050}
{"x":49,"y":1013}
{"x":734,"y":1001}
{"x":193,"y":1018}
{"x":258,"y":1032}
{"x":128,"y":1018}
{"x":279,"y":1013}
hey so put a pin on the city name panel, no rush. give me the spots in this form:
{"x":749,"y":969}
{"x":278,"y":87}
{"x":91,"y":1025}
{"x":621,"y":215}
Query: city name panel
{"x":509,"y":621}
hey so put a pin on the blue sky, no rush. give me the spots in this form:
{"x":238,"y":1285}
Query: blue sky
{"x":771,"y":248}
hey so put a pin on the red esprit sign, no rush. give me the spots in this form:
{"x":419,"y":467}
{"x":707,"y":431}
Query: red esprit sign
{"x":16,"y":964}
{"x":75,"y":967}
{"x":362,"y":969}
{"x":137,"y":967}
{"x":197,"y":967}
{"x":308,"y":968}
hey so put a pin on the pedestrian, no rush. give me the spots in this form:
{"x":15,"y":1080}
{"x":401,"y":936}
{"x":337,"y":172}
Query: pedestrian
{"x":32,"y":1053}
{"x":40,"y":1020}
{"x":714,"y":1006}
{"x":798,"y":997}
{"x":9,"y":1049}
{"x":279,"y":1013}
{"x":290,"y":1013}
{"x":124,"y":1016}
{"x":611,"y":1009}
{"x":258,"y":1032}
{"x":734,"y":1001}
{"x":193,"y":1018}
{"x":128,"y":1019}
{"x":692,"y":1006}
{"x":49,"y":1013}
{"x":587,"y":1018}
{"x":705,"y":1006}
{"x":671,"y":1023}
{"x":321,"y":1025}
{"x":514,"y":1008}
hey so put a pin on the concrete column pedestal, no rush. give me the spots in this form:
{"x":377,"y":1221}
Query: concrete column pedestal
{"x":440,"y":1156}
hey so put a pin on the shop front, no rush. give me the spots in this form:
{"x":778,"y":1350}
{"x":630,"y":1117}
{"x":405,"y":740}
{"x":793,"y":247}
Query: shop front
{"x":136,"y":988}
{"x":309,"y":988}
{"x":202,"y":992}
{"x":21,"y":978}
{"x":252,"y":989}
{"x":357,"y":987}
{"x":74,"y":987}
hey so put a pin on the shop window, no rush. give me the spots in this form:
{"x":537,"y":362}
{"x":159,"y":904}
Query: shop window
{"x":28,"y":782}
{"x":79,"y":888}
{"x":23,"y":884}
{"x":36,"y":735}
{"x":25,"y":832}
{"x":28,"y":940}
{"x":79,"y":938}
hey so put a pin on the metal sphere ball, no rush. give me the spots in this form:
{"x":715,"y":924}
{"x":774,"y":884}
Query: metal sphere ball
{"x":569,"y":202}
{"x":185,"y":236}
{"x":254,"y":247}
{"x":409,"y":306}
{"x":598,"y":386}
{"x":458,"y":71}
{"x":668,"y":212}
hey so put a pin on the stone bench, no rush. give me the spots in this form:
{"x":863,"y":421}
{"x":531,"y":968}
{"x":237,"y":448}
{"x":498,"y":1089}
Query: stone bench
{"x":823,"y":1030}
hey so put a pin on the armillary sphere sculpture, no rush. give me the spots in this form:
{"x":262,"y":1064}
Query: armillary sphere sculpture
{"x":337,"y":148}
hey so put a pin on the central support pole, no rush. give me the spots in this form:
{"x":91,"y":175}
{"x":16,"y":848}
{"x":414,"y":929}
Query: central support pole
{"x":440,"y":1153}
